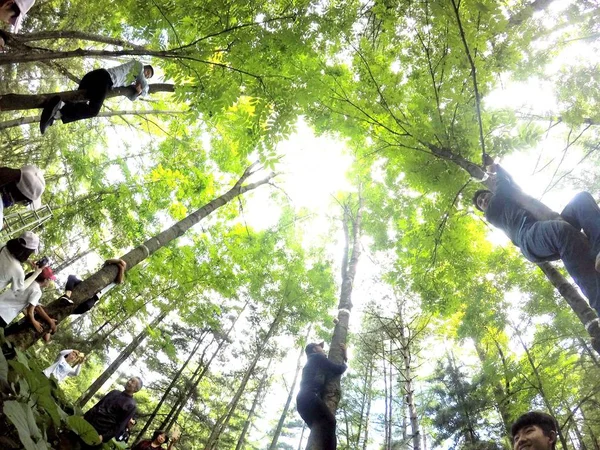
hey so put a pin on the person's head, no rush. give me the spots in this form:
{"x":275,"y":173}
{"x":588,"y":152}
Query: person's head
{"x":13,"y":12}
{"x":131,"y":423}
{"x":24,"y":246}
{"x":481,"y":199}
{"x":148,"y":71}
{"x":75,"y":357}
{"x":133,"y":385}
{"x":535,"y":431}
{"x":313,"y":348}
{"x":45,"y":277}
{"x":159,"y":437}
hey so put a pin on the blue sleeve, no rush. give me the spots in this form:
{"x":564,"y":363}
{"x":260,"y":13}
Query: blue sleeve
{"x":331,"y":367}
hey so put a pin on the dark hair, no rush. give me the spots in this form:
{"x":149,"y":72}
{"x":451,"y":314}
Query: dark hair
{"x":476,"y":196}
{"x":14,"y":7}
{"x":18,"y":250}
{"x":545,"y":421}
{"x":157,"y":433}
{"x":148,"y":66}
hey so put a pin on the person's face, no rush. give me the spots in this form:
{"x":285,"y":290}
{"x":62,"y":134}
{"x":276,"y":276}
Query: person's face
{"x":483,"y":201}
{"x":71,"y":356}
{"x":6,"y":11}
{"x":319,"y":349}
{"x":148,"y":73}
{"x":533,"y":438}
{"x":132,"y":385}
{"x":161,"y":438}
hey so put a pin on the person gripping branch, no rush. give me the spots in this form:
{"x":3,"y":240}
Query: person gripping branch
{"x":543,"y":235}
{"x":534,"y":431}
{"x":97,"y":84}
{"x":309,"y":402}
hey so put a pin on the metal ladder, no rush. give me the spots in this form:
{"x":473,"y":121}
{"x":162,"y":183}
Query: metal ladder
{"x":27,"y":220}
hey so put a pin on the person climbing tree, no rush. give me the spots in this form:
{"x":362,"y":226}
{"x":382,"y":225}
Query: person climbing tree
{"x":535,"y":430}
{"x":68,"y":364}
{"x":12,"y":303}
{"x":22,"y":186}
{"x":73,"y":281}
{"x":309,"y":402}
{"x":111,"y":415}
{"x":542,"y":237}
{"x":12,"y":255}
{"x":156,"y":443}
{"x":96,"y":85}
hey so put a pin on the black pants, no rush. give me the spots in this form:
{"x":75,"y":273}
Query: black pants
{"x":73,"y":281}
{"x":97,"y":84}
{"x":319,"y":419}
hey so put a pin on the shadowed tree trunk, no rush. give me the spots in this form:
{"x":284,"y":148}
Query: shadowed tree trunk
{"x":15,"y":102}
{"x":352,"y":229}
{"x":127,"y":351}
{"x":279,"y":427}
{"x":368,"y":411}
{"x":23,"y":335}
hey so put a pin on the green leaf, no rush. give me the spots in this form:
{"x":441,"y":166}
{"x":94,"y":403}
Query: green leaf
{"x":21,"y":416}
{"x":3,"y":368}
{"x":83,"y":429}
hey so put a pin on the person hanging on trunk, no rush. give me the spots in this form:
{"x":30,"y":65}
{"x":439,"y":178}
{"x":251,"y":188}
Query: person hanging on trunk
{"x":543,"y":235}
{"x":12,"y":303}
{"x":111,"y":415}
{"x":73,"y":281}
{"x":535,"y":430}
{"x":22,"y":186}
{"x":97,"y":84}
{"x":309,"y":402}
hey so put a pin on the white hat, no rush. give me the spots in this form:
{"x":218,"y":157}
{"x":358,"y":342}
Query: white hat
{"x":32,"y":241}
{"x":32,"y":184}
{"x":24,"y":6}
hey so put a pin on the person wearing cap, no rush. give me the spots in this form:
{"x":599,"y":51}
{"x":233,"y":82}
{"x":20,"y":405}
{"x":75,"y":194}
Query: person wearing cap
{"x":67,"y":364}
{"x":542,"y":234}
{"x":97,"y":84}
{"x":111,"y":415}
{"x":309,"y":402}
{"x":13,"y":255}
{"x":12,"y":303}
{"x":23,"y":186}
{"x":535,"y":430}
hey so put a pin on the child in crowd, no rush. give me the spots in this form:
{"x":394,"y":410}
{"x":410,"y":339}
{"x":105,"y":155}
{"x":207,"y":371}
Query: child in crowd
{"x":68,"y":364}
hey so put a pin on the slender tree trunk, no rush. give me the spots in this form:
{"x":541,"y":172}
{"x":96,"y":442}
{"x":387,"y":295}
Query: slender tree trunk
{"x":332,"y":393}
{"x":391,"y":400}
{"x":385,"y":397}
{"x":127,"y":351}
{"x":368,"y":412}
{"x":34,"y":119}
{"x":213,"y":440}
{"x":362,"y":405}
{"x":302,"y":435}
{"x":259,"y":395}
{"x":23,"y":335}
{"x":200,"y":371}
{"x":171,"y":386}
{"x":286,"y":407}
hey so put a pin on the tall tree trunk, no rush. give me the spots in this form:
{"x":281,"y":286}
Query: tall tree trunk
{"x":385,"y":398}
{"x":332,"y":393}
{"x":200,"y":371}
{"x":171,"y":386}
{"x":368,"y":412}
{"x":16,"y":102}
{"x":127,"y":351}
{"x":34,"y":119}
{"x":213,"y":440}
{"x":286,"y":407}
{"x":23,"y":335}
{"x":259,"y":395}
{"x":363,"y":404}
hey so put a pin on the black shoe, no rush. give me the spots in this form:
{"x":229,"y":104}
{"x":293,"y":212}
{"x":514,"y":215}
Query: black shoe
{"x":50,"y":110}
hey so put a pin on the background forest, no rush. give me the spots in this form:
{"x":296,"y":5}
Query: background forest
{"x":366,"y":122}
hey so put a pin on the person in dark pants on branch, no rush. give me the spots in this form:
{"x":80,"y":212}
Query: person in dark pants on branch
{"x":535,"y":431}
{"x":543,"y":236}
{"x":111,"y":415}
{"x":309,"y":402}
{"x":97,"y":84}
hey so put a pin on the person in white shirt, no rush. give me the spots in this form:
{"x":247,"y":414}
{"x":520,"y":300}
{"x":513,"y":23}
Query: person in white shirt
{"x":23,"y":186}
{"x":68,"y":364}
{"x":97,"y":84}
{"x":12,"y":255}
{"x":13,"y":12}
{"x":12,"y":303}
